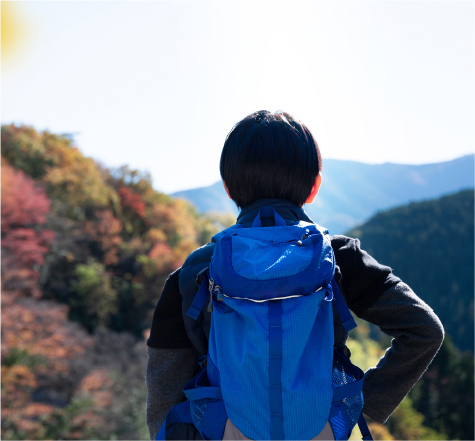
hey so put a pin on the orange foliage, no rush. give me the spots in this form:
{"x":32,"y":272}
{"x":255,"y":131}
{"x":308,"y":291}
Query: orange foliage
{"x":73,"y":178}
{"x":40,"y":328}
{"x":98,"y":385}
{"x":106,"y":231}
{"x":175,"y":220}
{"x":181,"y":251}
{"x":162,"y":254}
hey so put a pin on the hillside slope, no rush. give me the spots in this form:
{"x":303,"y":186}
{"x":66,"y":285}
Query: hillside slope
{"x":430,"y":245}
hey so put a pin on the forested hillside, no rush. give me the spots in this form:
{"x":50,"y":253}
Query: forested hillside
{"x":430,"y":246}
{"x":85,"y":253}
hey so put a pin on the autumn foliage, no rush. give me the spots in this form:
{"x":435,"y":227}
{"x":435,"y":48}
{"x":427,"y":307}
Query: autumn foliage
{"x":131,"y":201}
{"x":37,"y":342}
{"x":85,"y":253}
{"x":24,"y":240}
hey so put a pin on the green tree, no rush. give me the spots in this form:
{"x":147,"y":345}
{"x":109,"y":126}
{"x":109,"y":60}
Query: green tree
{"x":407,"y":423}
{"x":95,"y":299}
{"x":445,"y":394}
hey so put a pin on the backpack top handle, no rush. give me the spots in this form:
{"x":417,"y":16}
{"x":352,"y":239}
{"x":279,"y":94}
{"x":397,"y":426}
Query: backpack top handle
{"x":268,"y":213}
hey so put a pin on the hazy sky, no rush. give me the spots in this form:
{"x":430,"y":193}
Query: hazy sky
{"x":158,"y":85}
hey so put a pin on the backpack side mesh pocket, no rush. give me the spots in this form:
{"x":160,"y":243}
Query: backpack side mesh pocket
{"x":345,"y":413}
{"x":206,"y":406}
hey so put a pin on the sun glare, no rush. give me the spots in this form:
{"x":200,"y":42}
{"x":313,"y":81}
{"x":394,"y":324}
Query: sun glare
{"x":17,"y":28}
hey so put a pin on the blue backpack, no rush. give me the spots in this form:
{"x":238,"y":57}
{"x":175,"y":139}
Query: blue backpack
{"x":272,"y":367}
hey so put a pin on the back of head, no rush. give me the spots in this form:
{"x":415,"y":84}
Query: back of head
{"x":270,"y":155}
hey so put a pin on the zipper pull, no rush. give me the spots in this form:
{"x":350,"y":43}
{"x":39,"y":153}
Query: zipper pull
{"x":210,"y":288}
{"x":220,"y":293}
{"x":210,"y":305}
{"x":299,"y":242}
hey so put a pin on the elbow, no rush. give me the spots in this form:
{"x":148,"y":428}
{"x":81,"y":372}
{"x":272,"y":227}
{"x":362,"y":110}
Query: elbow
{"x":436,"y":332}
{"x":440,"y":334}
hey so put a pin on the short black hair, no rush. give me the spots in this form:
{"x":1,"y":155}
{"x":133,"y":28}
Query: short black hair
{"x":270,"y":155}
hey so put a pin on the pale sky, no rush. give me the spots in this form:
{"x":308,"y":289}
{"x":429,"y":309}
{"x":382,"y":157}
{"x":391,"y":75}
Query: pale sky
{"x":158,"y":85}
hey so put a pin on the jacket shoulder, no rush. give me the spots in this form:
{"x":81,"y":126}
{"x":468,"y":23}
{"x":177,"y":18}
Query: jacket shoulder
{"x":201,"y":254}
{"x":339,"y":241}
{"x":194,"y":263}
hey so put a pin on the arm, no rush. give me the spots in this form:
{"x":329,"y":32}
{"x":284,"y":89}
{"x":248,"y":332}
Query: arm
{"x":171,"y":356}
{"x":381,"y":298}
{"x":418,"y":335}
{"x":168,"y":370}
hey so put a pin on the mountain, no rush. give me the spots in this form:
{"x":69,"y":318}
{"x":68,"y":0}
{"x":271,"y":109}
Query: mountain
{"x":208,"y":199}
{"x":352,"y":191}
{"x":430,"y":246}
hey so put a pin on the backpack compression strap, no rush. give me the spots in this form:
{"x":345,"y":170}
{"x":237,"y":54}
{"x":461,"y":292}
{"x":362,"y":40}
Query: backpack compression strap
{"x":268,"y":212}
{"x":354,"y":388}
{"x":342,"y":308}
{"x":200,"y":298}
{"x":365,"y":433}
{"x":179,"y":414}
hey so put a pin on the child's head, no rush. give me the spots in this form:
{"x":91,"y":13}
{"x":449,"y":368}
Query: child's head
{"x":270,"y":155}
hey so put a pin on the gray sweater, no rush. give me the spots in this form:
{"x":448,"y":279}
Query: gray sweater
{"x":417,"y":335}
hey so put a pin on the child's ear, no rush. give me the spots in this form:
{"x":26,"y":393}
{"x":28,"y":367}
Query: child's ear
{"x":227,"y":191}
{"x":315,"y":188}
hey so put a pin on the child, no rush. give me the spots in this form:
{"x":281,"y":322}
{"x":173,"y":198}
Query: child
{"x":272,"y":160}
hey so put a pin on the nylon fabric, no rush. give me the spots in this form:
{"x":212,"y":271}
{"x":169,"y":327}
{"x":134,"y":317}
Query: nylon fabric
{"x":240,"y":364}
{"x":259,"y":260}
{"x":200,"y":299}
{"x":271,"y":213}
{"x":249,"y":366}
{"x":344,"y":414}
{"x":270,"y":347}
{"x":275,"y":369}
{"x":206,"y":406}
{"x":343,"y":311}
{"x":364,"y":428}
{"x":316,"y":275}
{"x":240,"y":361}
{"x":307,"y":366}
{"x":179,"y":414}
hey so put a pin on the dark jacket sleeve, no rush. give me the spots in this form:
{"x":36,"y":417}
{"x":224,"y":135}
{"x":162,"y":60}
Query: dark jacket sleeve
{"x":371,"y":291}
{"x":168,"y":330}
{"x":418,"y":335}
{"x":168,"y":370}
{"x":376,"y":295}
{"x":171,"y":357}
{"x":363,"y":279}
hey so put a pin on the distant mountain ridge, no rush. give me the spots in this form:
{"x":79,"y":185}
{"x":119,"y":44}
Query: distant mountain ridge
{"x":352,"y":191}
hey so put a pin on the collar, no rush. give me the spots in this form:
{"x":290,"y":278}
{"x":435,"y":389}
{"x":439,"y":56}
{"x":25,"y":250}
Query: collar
{"x":289,"y":211}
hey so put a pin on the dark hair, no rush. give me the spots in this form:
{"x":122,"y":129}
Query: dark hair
{"x":270,"y":155}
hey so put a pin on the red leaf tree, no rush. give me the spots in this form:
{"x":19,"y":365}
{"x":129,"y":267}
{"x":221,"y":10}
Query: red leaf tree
{"x":24,"y":241}
{"x":131,"y":200}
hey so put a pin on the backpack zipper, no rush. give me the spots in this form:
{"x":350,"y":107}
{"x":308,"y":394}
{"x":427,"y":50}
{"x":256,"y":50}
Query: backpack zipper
{"x":216,"y":288}
{"x":299,"y":242}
